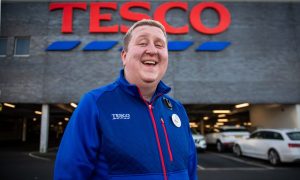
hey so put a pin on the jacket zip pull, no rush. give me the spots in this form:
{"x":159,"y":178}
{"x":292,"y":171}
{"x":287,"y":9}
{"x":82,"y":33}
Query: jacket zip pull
{"x":167,"y":139}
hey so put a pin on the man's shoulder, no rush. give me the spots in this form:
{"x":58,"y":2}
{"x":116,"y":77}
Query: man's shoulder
{"x":102,"y":90}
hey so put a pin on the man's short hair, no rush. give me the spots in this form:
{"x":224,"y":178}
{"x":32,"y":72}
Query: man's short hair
{"x":144,"y":22}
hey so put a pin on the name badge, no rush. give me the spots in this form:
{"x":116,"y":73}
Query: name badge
{"x":176,"y":120}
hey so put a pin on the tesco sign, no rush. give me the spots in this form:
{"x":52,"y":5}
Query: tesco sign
{"x":126,"y":13}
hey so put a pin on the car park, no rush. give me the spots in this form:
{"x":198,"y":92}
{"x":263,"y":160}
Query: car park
{"x":199,"y":140}
{"x":274,"y":145}
{"x":225,"y":136}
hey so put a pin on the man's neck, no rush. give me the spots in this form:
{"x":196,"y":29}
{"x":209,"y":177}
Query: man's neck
{"x":147,"y":92}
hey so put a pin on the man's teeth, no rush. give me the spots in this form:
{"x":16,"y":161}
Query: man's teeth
{"x":150,"y":62}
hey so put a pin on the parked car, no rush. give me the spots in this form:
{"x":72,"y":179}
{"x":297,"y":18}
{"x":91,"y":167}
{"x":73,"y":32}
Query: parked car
{"x":275,"y":145}
{"x":199,"y":140}
{"x":225,"y":136}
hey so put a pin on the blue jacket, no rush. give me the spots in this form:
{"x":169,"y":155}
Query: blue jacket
{"x":115,"y":134}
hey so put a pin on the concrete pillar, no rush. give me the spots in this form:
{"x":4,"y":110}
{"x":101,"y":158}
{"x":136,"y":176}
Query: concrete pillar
{"x":24,"y":130}
{"x":44,"y":129}
{"x":202,"y":127}
{"x":297,"y":114}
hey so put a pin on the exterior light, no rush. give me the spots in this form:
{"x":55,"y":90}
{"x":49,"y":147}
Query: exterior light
{"x":66,"y":119}
{"x":74,"y":105}
{"x":205,"y":118}
{"x":221,"y":115}
{"x":60,"y":123}
{"x":193,"y":125}
{"x":38,"y":112}
{"x":222,"y":120}
{"x":9,"y":105}
{"x":242,"y":105}
{"x":273,"y":106}
{"x":221,"y":111}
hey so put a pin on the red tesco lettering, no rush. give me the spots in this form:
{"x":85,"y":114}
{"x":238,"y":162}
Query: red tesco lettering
{"x":96,"y":17}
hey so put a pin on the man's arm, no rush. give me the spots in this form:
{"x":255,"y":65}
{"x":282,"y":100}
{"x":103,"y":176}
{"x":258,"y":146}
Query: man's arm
{"x":80,"y":143}
{"x":192,"y":159}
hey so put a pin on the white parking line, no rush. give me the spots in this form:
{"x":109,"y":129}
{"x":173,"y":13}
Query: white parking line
{"x":242,"y":161}
{"x":236,"y":169}
{"x":38,"y":157}
{"x":200,"y":167}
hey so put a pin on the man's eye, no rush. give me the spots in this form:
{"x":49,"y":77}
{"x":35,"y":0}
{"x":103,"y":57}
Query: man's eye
{"x":159,"y":45}
{"x":142,"y":44}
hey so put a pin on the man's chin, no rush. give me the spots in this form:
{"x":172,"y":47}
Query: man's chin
{"x":150,"y":80}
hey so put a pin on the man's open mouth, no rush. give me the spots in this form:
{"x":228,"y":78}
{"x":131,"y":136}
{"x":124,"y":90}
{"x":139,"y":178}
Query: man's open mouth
{"x":149,"y":62}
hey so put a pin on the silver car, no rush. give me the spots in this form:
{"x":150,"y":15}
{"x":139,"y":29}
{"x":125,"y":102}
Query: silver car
{"x":275,"y":145}
{"x":199,"y":140}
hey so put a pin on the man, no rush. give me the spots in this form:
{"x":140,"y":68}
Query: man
{"x":131,"y":129}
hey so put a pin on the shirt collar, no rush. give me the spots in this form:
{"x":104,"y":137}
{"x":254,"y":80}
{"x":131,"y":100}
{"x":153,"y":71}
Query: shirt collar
{"x":132,"y":89}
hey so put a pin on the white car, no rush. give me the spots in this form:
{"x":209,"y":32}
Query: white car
{"x":199,"y":140}
{"x":225,"y":136}
{"x":275,"y":145}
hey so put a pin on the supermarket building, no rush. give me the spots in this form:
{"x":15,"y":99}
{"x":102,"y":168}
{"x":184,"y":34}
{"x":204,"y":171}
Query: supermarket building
{"x":220,"y":54}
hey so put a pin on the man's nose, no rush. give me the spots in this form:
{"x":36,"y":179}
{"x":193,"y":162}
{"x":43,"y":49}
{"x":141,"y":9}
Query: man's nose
{"x":151,"y":49}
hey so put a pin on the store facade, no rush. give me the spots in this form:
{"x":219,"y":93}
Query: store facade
{"x":219,"y":52}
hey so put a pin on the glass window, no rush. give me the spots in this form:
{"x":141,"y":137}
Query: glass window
{"x":266,"y":135}
{"x":3,"y":46}
{"x":277,"y":136}
{"x":294,"y":135}
{"x":253,"y":135}
{"x":256,"y":135}
{"x":22,"y":45}
{"x":235,"y":130}
{"x":272,"y":135}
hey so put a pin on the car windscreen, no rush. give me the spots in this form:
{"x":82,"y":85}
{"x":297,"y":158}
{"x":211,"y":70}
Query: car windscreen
{"x":294,"y":135}
{"x":234,"y":130}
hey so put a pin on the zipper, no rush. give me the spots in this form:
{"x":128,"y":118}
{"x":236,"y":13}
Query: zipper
{"x":158,"y":142}
{"x":149,"y":105}
{"x":167,"y":139}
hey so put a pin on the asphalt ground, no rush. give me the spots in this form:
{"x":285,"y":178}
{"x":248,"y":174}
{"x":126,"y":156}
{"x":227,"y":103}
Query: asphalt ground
{"x":17,"y":164}
{"x":223,"y":166}
{"x":22,"y":161}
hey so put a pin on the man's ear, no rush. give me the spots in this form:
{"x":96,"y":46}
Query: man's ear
{"x":123,"y":57}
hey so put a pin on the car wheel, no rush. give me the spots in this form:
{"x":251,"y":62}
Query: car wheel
{"x":220,"y":147}
{"x":274,"y":157}
{"x":237,"y":150}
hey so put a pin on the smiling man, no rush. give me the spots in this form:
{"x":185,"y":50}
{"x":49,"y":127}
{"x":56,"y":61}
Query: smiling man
{"x":131,"y":129}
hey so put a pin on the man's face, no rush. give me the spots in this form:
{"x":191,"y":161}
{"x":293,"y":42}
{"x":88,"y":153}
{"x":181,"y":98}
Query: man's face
{"x":146,"y":58}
